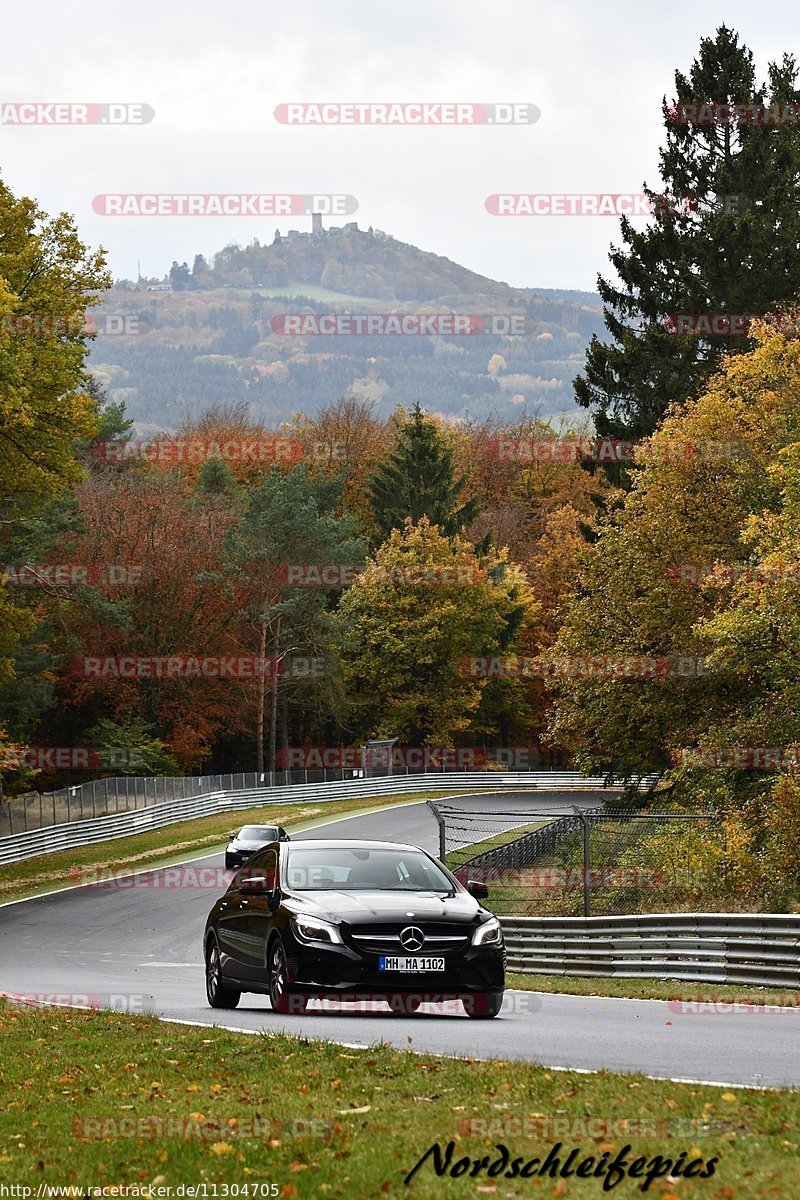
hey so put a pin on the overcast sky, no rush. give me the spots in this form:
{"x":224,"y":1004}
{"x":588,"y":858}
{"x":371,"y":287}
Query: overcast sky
{"x":215,"y":72}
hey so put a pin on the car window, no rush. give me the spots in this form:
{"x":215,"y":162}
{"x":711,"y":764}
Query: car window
{"x":256,"y":833}
{"x":357,"y":869}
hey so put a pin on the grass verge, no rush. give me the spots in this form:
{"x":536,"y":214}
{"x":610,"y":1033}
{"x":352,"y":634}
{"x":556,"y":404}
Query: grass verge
{"x":175,"y":843}
{"x":651,"y":989}
{"x":102,"y":1100}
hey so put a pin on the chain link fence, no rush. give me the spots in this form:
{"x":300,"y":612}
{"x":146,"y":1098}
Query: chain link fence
{"x":596,"y":862}
{"x":100,"y":797}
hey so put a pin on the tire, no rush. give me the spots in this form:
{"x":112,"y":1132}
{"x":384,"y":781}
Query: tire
{"x":404,"y":1004}
{"x":217,"y":994}
{"x":281,"y":1000}
{"x":483,"y":1005}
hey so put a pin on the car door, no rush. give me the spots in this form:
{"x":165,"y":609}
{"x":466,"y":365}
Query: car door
{"x":257,"y":915}
{"x":245,"y":918}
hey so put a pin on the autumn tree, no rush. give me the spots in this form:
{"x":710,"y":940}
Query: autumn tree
{"x":47,"y":280}
{"x":424,"y":605}
{"x":703,"y":475}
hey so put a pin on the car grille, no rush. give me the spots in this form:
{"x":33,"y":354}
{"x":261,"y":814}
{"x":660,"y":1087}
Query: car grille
{"x":441,"y":937}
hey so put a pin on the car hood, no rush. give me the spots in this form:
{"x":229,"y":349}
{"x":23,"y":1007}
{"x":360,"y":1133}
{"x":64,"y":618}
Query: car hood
{"x":247,"y":845}
{"x":375,"y":906}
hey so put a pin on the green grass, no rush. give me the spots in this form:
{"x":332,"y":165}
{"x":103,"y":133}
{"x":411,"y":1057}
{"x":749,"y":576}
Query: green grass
{"x":650,"y":989}
{"x":176,"y":843}
{"x":455,"y":858}
{"x":321,"y":1120}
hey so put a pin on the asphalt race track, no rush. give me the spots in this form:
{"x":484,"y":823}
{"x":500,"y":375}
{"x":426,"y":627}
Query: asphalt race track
{"x":135,"y":945}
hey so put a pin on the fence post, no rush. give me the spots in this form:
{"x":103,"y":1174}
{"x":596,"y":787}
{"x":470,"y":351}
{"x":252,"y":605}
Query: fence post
{"x":94,"y":804}
{"x":442,"y":830}
{"x":41,"y":813}
{"x":69,"y":806}
{"x":25,"y":813}
{"x":586,"y":855}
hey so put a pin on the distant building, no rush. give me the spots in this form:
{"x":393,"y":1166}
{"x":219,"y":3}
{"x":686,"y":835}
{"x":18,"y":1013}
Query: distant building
{"x":317,"y":231}
{"x":160,"y":287}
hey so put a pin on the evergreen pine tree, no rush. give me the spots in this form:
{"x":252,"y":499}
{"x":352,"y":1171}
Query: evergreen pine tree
{"x":734,"y":250}
{"x":418,"y":479}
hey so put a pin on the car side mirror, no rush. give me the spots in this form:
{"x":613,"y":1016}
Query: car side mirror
{"x":477,"y":889}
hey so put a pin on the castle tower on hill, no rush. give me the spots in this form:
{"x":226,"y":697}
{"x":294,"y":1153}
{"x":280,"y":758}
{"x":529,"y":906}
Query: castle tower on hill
{"x":316,"y":223}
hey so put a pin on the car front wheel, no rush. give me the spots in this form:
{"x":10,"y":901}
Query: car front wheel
{"x":218,"y":995}
{"x":404,"y":1005}
{"x":483,"y":1005}
{"x":278,"y":978}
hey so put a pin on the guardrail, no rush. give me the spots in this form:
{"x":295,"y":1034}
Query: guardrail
{"x":101,"y":797}
{"x":116,"y":825}
{"x":762,"y":949}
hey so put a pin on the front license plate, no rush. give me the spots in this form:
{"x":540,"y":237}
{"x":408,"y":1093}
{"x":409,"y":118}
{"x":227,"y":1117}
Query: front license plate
{"x":387,"y":963}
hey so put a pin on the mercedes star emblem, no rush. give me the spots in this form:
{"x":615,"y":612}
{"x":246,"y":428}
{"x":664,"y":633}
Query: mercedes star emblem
{"x":412,"y":938}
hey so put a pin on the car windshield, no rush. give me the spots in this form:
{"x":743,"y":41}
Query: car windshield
{"x":358,"y":869}
{"x":257,"y":833}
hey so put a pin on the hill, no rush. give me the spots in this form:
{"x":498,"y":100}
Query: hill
{"x":218,"y":335}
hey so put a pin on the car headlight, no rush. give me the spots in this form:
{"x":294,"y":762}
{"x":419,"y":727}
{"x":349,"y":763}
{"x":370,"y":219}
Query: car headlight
{"x":309,"y":929}
{"x":488,"y":934}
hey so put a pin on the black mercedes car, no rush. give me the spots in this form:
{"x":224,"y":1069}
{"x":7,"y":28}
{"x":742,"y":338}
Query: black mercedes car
{"x":250,"y":838}
{"x":353,"y":920}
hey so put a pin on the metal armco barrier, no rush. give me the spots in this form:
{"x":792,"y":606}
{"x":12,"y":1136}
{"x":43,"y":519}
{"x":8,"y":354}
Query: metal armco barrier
{"x":117,"y":825}
{"x":745,"y":948}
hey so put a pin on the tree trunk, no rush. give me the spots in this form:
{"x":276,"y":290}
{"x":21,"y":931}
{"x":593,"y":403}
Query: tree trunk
{"x":274,"y":721}
{"x":262,"y":684}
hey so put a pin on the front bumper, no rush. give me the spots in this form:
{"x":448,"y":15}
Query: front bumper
{"x":331,"y":970}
